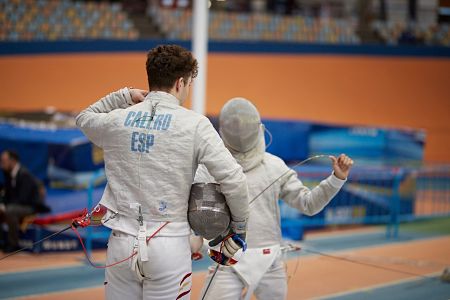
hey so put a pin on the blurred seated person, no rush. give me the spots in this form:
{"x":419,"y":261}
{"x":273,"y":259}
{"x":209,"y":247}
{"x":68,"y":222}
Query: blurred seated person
{"x":23,"y":195}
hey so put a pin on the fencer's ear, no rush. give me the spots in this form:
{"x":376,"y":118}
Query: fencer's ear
{"x":182,"y":82}
{"x":179,"y":83}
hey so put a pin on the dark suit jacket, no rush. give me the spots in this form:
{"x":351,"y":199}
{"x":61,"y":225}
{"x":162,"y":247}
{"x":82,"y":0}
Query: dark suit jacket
{"x":25,"y":191}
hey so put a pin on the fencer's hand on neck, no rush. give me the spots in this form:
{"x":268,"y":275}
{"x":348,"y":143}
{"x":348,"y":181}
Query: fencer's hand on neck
{"x":137,"y":95}
{"x":341,"y":166}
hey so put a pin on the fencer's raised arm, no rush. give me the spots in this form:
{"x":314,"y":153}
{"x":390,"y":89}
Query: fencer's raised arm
{"x":224,"y":168}
{"x":308,"y":201}
{"x":92,"y":121}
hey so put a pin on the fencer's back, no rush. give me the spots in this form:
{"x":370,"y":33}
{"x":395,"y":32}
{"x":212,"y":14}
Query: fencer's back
{"x":151,"y":157}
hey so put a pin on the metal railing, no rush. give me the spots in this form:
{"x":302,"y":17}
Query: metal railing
{"x":376,"y":196}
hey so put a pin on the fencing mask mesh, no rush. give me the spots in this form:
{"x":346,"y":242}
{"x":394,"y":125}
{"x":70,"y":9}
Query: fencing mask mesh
{"x":208,"y":212}
{"x":240,"y":124}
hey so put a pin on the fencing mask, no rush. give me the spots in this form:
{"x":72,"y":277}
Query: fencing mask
{"x":240,"y":125}
{"x":208,"y":212}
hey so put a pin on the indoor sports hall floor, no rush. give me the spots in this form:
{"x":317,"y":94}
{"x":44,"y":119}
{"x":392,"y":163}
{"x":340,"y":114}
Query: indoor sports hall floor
{"x":352,"y":264}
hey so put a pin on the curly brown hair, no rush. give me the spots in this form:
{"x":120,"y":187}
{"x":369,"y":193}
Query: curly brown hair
{"x":166,"y":63}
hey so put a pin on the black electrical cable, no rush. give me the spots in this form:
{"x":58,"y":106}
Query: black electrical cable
{"x":37,"y":242}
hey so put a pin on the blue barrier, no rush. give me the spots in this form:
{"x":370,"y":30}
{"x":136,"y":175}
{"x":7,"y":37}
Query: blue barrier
{"x":375,"y":196}
{"x":370,"y":146}
{"x":92,"y":46}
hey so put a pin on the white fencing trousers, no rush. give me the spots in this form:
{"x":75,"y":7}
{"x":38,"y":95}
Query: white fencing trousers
{"x":168,"y":271}
{"x":227,"y":285}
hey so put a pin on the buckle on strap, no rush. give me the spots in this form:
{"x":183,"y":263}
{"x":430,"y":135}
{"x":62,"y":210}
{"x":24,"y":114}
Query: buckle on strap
{"x":142,"y":242}
{"x":142,"y":234}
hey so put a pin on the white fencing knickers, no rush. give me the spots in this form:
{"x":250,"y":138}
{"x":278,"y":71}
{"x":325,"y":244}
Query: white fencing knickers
{"x":168,"y":270}
{"x":227,"y":285}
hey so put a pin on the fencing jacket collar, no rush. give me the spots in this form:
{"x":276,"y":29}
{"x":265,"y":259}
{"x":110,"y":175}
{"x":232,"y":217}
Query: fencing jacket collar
{"x":163,"y":96}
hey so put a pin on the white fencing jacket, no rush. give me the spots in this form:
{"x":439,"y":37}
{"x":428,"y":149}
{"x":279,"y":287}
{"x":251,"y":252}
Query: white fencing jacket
{"x":152,"y":161}
{"x":262,"y":169}
{"x":264,"y":220}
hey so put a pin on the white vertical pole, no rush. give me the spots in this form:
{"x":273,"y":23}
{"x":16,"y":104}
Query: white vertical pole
{"x":200,"y":50}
